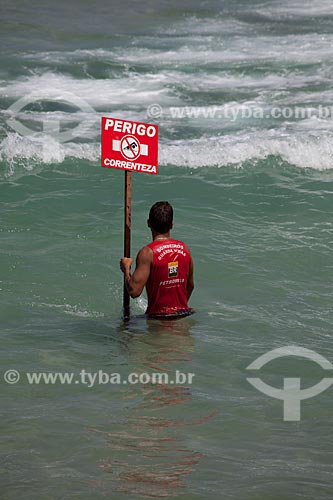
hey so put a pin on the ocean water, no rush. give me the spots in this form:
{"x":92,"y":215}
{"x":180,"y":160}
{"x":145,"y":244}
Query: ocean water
{"x":252,"y":197}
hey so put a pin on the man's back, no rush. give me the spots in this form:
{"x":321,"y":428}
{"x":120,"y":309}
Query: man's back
{"x":167,"y":285}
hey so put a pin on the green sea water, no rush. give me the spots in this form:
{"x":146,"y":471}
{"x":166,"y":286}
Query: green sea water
{"x":252,"y":199}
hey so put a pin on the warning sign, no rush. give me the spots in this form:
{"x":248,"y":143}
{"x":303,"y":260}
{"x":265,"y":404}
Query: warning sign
{"x":129,"y":145}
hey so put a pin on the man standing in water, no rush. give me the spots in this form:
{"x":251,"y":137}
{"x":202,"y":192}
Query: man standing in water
{"x":164,"y":267}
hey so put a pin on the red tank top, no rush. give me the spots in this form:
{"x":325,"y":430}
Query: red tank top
{"x":167,"y":283}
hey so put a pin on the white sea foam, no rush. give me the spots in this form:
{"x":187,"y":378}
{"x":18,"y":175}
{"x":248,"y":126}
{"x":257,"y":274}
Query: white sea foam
{"x":324,"y":97}
{"x":203,"y":81}
{"x":206,"y":49}
{"x":106,"y":93}
{"x":138,"y":91}
{"x":44,"y":149}
{"x":307,"y":49}
{"x":294,"y":8}
{"x":74,"y":310}
{"x":193,"y":26}
{"x":302,"y":149}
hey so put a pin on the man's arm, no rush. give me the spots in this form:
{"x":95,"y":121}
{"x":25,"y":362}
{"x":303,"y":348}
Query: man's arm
{"x":190,"y":280}
{"x":135,"y":283}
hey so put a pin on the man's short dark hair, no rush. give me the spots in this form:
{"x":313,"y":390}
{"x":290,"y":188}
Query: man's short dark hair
{"x":161,"y":217}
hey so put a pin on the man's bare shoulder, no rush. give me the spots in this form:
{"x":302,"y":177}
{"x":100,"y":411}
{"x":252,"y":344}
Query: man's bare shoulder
{"x":145,"y":255}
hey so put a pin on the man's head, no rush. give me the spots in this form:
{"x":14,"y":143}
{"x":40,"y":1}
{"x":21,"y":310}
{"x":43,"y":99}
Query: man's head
{"x":161,"y":217}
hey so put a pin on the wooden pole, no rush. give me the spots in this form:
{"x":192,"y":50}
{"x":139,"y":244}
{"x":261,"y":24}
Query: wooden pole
{"x":127,"y":236}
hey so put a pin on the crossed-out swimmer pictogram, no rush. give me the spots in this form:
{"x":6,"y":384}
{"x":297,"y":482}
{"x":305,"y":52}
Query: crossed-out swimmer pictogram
{"x":130,"y":147}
